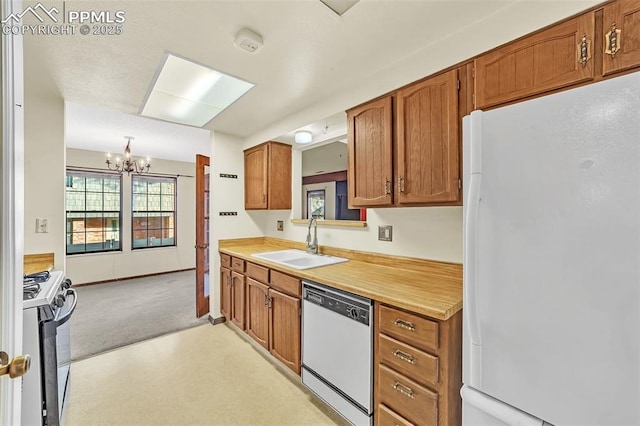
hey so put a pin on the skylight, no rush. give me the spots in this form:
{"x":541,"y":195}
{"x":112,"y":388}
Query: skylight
{"x":188,"y":93}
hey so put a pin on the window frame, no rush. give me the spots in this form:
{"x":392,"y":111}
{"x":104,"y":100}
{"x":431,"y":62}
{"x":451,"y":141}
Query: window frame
{"x":85,"y":174}
{"x":175,"y":211}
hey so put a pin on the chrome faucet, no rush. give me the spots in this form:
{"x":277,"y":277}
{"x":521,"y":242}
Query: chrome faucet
{"x":312,"y":246}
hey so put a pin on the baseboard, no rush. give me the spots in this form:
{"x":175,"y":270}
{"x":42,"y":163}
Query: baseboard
{"x":133,"y":277}
{"x":216,"y":321}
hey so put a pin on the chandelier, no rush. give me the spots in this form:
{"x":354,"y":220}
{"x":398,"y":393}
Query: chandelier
{"x":128,"y":164}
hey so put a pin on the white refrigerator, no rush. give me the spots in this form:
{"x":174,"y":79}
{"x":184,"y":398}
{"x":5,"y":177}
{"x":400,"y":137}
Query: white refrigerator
{"x":552,"y":259}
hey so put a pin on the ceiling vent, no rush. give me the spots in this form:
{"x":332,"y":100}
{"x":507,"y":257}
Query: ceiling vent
{"x":339,"y":6}
{"x":248,"y":40}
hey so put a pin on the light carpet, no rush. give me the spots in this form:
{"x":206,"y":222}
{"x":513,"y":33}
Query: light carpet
{"x":205,"y":375}
{"x":115,"y":314}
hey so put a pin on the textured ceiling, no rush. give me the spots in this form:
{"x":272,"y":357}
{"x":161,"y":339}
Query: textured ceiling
{"x":310,"y":54}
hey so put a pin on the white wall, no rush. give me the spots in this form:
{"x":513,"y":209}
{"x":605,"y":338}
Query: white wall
{"x":228,"y":195}
{"x":44,"y":175}
{"x":84,"y":268}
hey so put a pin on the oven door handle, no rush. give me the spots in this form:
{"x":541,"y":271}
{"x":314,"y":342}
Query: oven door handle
{"x":67,"y":316}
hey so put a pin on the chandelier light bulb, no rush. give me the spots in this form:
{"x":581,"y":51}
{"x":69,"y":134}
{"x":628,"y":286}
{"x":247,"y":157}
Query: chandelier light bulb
{"x":129,"y":165}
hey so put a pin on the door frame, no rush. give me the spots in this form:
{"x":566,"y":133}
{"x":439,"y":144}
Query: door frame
{"x":202,"y":245}
{"x":12,"y":214}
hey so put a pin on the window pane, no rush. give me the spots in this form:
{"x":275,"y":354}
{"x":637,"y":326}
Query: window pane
{"x":155,"y":237}
{"x":140,"y":238}
{"x":112,"y":201}
{"x":168,"y":188}
{"x":75,"y":201}
{"x":139,"y":221}
{"x":112,"y":185}
{"x":139,"y":186}
{"x":168,"y":203}
{"x":155,"y":222}
{"x":139,"y":202}
{"x":94,"y":184}
{"x":153,"y":203}
{"x":77,"y":184}
{"x":154,"y":187}
{"x":94,"y":201}
{"x":168,"y":220}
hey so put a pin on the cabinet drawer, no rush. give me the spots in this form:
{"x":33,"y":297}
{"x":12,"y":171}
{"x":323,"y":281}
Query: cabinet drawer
{"x":237,"y":264}
{"x":412,"y":362}
{"x":258,"y":273}
{"x":407,"y":398}
{"x":286,"y":283}
{"x":225,"y":260}
{"x":409,"y":328}
{"x":386,"y":417}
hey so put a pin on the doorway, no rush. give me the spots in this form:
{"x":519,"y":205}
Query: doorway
{"x":202,"y":235}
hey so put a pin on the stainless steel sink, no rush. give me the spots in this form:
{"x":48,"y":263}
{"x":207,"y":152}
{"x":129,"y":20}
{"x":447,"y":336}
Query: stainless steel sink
{"x":299,"y":259}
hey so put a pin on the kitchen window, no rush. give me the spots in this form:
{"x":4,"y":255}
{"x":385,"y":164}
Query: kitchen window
{"x":153,"y":211}
{"x":93,"y":212}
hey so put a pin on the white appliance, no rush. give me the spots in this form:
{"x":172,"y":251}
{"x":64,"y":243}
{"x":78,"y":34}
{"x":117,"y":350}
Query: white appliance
{"x":552,"y":259}
{"x":337,"y":359}
{"x":45,"y":388}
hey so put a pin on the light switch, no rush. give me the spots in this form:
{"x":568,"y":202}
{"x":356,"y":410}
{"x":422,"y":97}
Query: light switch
{"x":385,"y":233}
{"x":41,"y":226}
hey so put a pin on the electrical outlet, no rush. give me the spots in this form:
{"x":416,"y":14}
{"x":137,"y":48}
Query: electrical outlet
{"x":280,"y":225}
{"x":385,"y":233}
{"x":41,"y":226}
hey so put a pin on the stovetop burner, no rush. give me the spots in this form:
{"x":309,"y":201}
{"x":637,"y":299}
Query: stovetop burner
{"x":31,"y":284}
{"x":29,"y":291}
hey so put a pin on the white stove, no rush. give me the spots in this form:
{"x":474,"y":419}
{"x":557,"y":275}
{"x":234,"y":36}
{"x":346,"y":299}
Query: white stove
{"x":48,"y":306}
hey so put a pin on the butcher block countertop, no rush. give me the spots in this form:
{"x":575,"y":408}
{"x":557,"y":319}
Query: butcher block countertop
{"x":427,"y":287}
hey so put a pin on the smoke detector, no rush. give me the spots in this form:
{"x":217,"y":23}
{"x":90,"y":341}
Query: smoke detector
{"x":248,"y":40}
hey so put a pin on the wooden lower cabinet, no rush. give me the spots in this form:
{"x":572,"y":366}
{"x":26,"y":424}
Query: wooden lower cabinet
{"x":225,"y":293}
{"x":258,"y":312}
{"x":417,"y":368}
{"x":284,"y":329}
{"x":237,"y":298}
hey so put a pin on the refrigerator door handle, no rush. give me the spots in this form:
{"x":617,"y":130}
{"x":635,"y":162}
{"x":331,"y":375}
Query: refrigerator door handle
{"x":470,"y":258}
{"x":497,"y":409}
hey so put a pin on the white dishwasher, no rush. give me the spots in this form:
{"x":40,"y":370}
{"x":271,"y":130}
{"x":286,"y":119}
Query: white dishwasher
{"x":337,"y":350}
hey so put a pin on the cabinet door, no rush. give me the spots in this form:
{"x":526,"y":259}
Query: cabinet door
{"x":284,"y":329}
{"x":237,"y":299}
{"x":625,"y":14}
{"x":370,"y":159}
{"x":427,"y":141}
{"x":535,"y":64}
{"x":255,"y":177}
{"x":279,"y":172}
{"x":258,"y":312}
{"x":225,"y":293}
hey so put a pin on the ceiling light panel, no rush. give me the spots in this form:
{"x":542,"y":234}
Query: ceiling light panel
{"x":188,"y":93}
{"x":339,"y":6}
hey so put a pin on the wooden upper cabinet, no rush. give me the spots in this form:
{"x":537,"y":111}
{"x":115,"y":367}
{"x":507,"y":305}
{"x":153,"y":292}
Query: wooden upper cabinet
{"x":544,"y":61}
{"x":267,"y":177}
{"x":255,"y":177}
{"x":370,"y":144}
{"x":625,"y":14}
{"x":427,"y":141}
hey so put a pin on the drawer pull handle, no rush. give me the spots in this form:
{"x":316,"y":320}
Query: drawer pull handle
{"x":404,"y":356}
{"x":404,"y":324}
{"x":407,"y":391}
